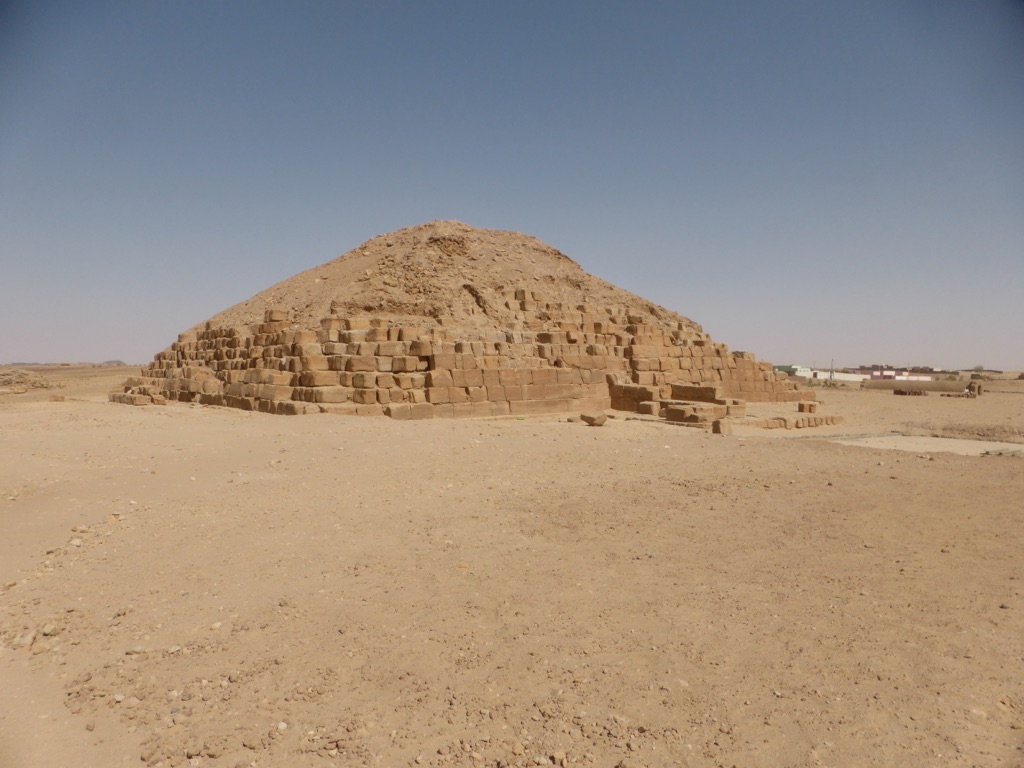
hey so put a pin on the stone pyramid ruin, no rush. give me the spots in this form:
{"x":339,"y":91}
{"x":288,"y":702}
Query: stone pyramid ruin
{"x":444,"y":320}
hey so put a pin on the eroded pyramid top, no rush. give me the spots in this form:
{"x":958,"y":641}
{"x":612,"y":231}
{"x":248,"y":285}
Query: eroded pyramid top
{"x":444,"y":271}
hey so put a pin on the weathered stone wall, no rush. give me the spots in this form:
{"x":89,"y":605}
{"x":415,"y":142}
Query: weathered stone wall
{"x":556,"y":358}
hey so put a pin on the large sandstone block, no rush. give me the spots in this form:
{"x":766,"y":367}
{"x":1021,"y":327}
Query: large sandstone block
{"x":421,"y":411}
{"x":410,"y":333}
{"x":421,"y":348}
{"x":364,"y":380}
{"x":493,"y":362}
{"x":544,"y":376}
{"x":404,"y":364}
{"x":281,"y":378}
{"x":515,"y":393}
{"x":437,"y":395}
{"x":314,"y":363}
{"x":463,"y":410}
{"x":337,"y":394}
{"x":410,"y":380}
{"x":362,"y":363}
{"x":399,"y":411}
{"x":697,"y":393}
{"x":274,"y":392}
{"x":392,"y":349}
{"x":440,"y":378}
{"x":678,"y":413}
{"x":443,"y":360}
{"x":364,"y":396}
{"x":318,"y":378}
{"x":737,"y":409}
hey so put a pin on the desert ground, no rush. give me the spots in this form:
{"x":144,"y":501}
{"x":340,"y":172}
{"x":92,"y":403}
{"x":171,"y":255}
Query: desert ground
{"x":190,"y":585}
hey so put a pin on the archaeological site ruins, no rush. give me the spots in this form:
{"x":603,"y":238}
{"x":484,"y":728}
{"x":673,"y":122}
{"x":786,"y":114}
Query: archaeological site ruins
{"x":444,"y":320}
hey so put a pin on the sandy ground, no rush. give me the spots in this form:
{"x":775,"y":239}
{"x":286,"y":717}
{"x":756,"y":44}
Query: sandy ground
{"x":199,"y":586}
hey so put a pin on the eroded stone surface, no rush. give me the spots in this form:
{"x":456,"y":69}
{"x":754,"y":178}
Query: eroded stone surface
{"x":443,"y":320}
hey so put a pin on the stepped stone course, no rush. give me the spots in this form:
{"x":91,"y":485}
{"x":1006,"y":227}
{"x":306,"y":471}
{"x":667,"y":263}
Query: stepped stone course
{"x":444,"y":320}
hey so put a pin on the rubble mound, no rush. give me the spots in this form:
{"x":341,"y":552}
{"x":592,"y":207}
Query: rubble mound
{"x":443,"y":273}
{"x":18,"y":380}
{"x":443,"y":319}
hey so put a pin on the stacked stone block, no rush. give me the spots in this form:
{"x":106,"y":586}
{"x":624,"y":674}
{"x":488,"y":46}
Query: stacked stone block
{"x":551,"y":358}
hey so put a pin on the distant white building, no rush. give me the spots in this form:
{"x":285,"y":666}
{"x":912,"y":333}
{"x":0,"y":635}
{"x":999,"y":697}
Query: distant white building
{"x":795,"y":370}
{"x":898,"y":375}
{"x":814,"y":373}
{"x":837,"y":376}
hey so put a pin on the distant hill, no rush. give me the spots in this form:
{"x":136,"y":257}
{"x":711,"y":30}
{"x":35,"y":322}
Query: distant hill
{"x":104,"y":364}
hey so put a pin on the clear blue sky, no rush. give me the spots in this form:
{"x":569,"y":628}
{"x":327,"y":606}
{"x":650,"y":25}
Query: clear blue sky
{"x":808,"y":179}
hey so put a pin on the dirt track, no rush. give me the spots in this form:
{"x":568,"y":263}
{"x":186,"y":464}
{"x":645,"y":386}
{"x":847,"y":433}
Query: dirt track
{"x":203,"y":585}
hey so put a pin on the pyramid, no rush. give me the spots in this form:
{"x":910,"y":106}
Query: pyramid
{"x":446,"y":320}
